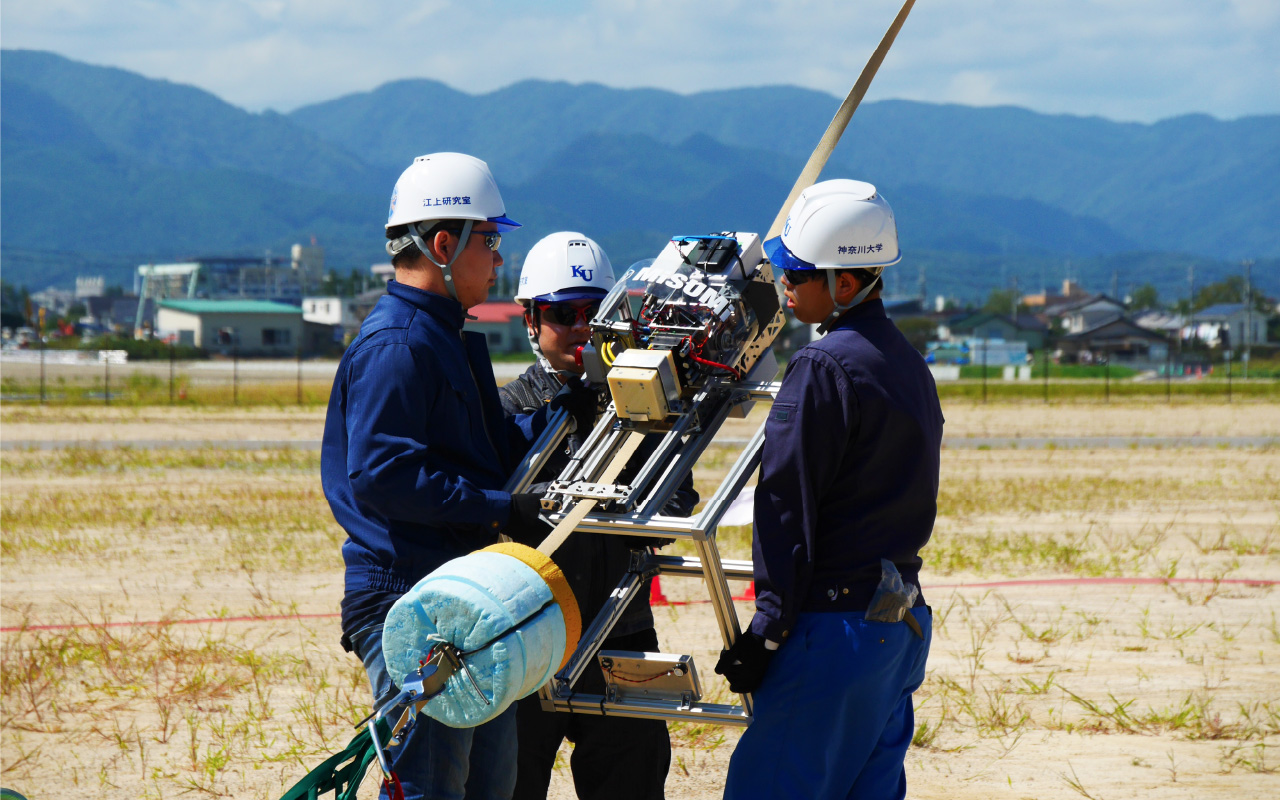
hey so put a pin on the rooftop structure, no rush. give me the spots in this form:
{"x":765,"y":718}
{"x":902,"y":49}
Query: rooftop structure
{"x":234,"y":277}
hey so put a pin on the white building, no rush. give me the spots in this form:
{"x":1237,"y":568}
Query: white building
{"x":1229,"y":325}
{"x":338,"y":312}
{"x":245,"y":327}
{"x":90,"y":286}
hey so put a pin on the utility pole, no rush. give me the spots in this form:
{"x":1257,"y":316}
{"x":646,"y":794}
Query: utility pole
{"x":1248,"y":304}
{"x":1115,"y":284}
{"x":1191,"y":300}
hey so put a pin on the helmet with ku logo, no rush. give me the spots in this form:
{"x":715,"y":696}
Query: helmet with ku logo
{"x":564,"y":266}
{"x":837,"y":224}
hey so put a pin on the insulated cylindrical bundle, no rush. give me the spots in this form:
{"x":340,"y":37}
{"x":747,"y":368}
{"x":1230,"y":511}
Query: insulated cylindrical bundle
{"x":507,"y":608}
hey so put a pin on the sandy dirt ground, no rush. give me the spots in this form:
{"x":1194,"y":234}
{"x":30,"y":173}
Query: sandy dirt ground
{"x":1061,"y":666}
{"x":1019,"y":420}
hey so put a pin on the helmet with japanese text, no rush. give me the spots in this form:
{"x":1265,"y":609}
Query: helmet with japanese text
{"x":564,"y":266}
{"x":447,"y":186}
{"x":837,"y":224}
{"x":441,"y":187}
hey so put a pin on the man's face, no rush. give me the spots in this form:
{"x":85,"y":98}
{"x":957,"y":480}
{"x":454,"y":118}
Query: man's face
{"x":560,"y":341}
{"x":809,"y":301}
{"x":476,"y":269}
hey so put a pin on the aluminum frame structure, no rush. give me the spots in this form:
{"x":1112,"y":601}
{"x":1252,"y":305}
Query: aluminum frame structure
{"x":640,"y":500}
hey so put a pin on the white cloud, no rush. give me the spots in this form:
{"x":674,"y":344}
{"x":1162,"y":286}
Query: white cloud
{"x":1126,"y":59}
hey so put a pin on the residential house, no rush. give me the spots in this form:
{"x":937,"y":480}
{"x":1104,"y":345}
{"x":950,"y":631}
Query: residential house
{"x":1083,"y":314}
{"x":1118,"y":339}
{"x":502,"y":323}
{"x":1229,"y":325}
{"x":989,"y":325}
{"x":1167,"y":323}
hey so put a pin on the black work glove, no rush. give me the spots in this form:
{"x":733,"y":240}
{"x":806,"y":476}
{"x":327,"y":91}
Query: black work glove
{"x":525,"y":524}
{"x":745,"y":663}
{"x":581,"y":401}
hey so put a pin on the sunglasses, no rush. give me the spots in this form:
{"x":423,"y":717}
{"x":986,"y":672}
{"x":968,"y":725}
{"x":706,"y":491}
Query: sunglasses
{"x":492,"y":239}
{"x":567,"y":315}
{"x":795,"y":277}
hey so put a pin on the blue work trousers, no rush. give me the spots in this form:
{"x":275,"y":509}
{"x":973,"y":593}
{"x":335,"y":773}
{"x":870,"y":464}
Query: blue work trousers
{"x":833,"y":718}
{"x":436,"y":762}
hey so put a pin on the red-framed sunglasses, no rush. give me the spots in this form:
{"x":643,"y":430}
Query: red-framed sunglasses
{"x":567,"y":315}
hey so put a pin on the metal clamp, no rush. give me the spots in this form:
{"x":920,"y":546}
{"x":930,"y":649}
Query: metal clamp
{"x":417,"y":689}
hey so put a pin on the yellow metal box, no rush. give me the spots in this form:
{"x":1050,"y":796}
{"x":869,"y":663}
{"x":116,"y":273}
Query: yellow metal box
{"x":643,"y":384}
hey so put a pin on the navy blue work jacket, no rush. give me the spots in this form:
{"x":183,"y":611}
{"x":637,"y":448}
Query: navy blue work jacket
{"x":416,"y":449}
{"x":848,"y":472}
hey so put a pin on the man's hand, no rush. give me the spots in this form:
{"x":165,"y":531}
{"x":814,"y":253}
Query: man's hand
{"x":525,"y":524}
{"x":581,"y":401}
{"x":745,"y":663}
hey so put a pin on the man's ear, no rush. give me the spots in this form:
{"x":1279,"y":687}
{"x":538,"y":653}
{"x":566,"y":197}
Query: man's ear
{"x":847,"y":287}
{"x":440,"y":243}
{"x":529,"y":323}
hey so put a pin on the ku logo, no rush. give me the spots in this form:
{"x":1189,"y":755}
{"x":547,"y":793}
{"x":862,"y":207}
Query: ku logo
{"x":580,"y":271}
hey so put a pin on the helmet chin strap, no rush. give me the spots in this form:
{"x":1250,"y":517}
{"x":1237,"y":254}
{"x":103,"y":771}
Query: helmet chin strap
{"x":562,"y":374}
{"x":839,"y":309}
{"x":463,"y":237}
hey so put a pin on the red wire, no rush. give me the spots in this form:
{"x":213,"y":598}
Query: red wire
{"x":715,"y":364}
{"x":695,"y":349}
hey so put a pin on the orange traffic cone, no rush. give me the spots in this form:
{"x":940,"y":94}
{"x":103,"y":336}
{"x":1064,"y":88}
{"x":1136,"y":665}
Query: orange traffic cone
{"x":749,"y":594}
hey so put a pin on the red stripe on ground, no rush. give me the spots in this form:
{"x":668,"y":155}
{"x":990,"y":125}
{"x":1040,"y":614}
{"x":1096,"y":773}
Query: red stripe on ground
{"x":1119,"y":581}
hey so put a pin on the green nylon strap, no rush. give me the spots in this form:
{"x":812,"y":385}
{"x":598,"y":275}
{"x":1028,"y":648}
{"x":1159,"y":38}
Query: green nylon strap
{"x":342,"y":772}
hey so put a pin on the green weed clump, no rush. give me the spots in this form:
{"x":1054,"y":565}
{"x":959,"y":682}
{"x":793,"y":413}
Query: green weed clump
{"x":140,"y":390}
{"x":1098,"y":391}
{"x":1019,"y":553}
{"x":78,"y":460}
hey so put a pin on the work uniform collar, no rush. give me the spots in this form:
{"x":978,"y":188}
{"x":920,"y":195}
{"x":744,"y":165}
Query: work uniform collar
{"x":445,"y":309}
{"x":866,"y":310}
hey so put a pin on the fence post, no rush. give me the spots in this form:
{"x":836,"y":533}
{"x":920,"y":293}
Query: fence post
{"x":1228,"y":360}
{"x":299,"y":376}
{"x":170,"y":373}
{"x":41,"y":368}
{"x":106,"y":379}
{"x":1046,"y":373}
{"x":984,"y":369}
{"x":235,"y":375}
{"x":1168,"y":376}
{"x":1106,"y":379}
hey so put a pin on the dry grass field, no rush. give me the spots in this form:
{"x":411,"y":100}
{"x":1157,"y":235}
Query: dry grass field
{"x":1106,"y":624}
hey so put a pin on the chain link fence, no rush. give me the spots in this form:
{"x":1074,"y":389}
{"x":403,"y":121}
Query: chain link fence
{"x":108,"y":378}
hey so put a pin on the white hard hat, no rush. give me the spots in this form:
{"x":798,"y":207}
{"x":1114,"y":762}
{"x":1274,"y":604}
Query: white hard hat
{"x":837,"y":224}
{"x":447,"y":186}
{"x":564,"y":266}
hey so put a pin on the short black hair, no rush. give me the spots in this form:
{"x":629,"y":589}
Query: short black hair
{"x":407,"y":257}
{"x":865,"y":276}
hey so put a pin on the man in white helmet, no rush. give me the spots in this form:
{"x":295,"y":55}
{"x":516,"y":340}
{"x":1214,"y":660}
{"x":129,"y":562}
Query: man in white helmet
{"x":562,"y":281}
{"x":846,"y":498}
{"x":417,"y":449}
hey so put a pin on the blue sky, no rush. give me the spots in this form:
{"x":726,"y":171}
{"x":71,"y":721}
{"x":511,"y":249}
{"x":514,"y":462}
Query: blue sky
{"x":1133,"y":60}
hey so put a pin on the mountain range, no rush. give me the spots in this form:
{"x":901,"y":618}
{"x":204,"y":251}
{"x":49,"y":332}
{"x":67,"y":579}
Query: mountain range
{"x":102,"y":169}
